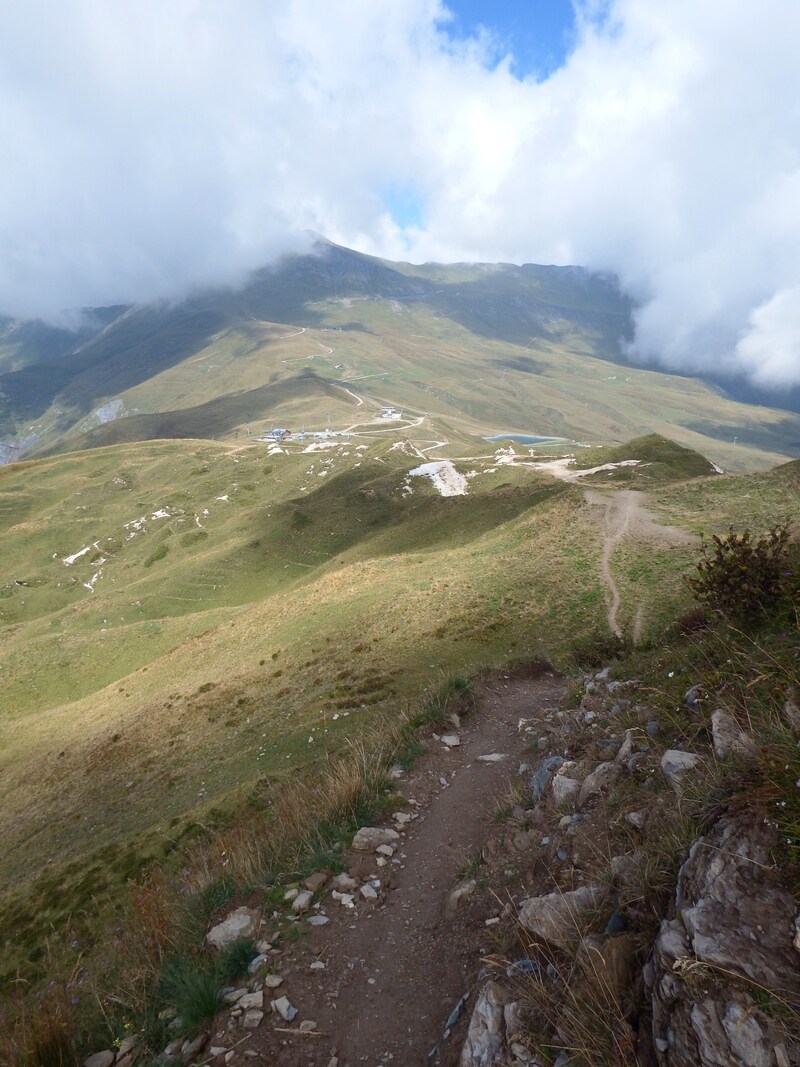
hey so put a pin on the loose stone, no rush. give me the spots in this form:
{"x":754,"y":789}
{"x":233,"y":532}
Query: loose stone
{"x":284,"y":1008}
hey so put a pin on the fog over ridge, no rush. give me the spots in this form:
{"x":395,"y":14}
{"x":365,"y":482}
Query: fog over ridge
{"x":155,"y":148}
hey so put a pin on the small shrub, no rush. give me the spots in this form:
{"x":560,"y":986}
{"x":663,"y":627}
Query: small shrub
{"x":234,"y":959}
{"x":192,"y":990}
{"x":193,"y":536}
{"x":50,"y":1041}
{"x":598,"y":650}
{"x":742,"y":577}
{"x":217,"y":894}
{"x":158,"y":553}
{"x":454,"y":696}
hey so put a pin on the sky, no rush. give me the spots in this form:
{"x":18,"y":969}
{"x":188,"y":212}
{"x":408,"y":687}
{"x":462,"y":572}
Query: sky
{"x":151,"y":148}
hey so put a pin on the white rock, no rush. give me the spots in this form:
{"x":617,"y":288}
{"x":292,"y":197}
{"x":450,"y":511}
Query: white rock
{"x":555,"y":917}
{"x":256,"y":964}
{"x":240,"y":923}
{"x":286,"y":1010}
{"x":484,"y":1043}
{"x":676,"y":764}
{"x":100,"y":1059}
{"x":368,"y":893}
{"x":252,"y":1019}
{"x":189,"y":1049}
{"x":318,"y":965}
{"x":302,"y":902}
{"x":318,"y":920}
{"x":290,"y":894}
{"x":251,"y":1000}
{"x":565,"y":791}
{"x":599,"y":781}
{"x":344,"y":882}
{"x":729,"y":740}
{"x":272,"y":981}
{"x":493,"y":757}
{"x":386,"y":850}
{"x":368,"y":838}
{"x":458,"y":895}
{"x":450,"y":740}
{"x":307,"y":1025}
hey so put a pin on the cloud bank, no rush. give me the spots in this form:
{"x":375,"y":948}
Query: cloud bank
{"x":151,"y":148}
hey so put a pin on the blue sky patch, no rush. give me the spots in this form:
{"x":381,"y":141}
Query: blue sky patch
{"x":406,"y":205}
{"x":539,"y":33}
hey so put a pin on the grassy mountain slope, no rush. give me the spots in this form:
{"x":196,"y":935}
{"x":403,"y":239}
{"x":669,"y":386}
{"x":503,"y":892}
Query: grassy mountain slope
{"x":465,"y":350}
{"x":186,"y":624}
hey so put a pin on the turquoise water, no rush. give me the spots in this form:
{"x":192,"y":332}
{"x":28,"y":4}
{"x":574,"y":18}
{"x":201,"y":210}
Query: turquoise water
{"x":523,"y":438}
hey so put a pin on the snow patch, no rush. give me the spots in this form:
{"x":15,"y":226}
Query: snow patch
{"x":137,"y":525}
{"x":444,"y":476}
{"x":69,"y":560}
{"x":321,"y":446}
{"x":98,"y":574}
{"x":107,"y":412}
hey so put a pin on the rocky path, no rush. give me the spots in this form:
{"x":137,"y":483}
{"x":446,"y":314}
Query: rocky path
{"x":381,"y":977}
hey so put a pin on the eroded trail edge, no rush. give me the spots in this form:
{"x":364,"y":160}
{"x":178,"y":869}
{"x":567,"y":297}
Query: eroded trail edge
{"x":381,"y":977}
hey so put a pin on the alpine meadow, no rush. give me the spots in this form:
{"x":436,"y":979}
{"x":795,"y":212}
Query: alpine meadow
{"x":323,"y":554}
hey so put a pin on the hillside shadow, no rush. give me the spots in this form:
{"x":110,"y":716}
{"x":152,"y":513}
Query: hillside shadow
{"x":522,"y":304}
{"x":358,"y":512}
{"x":203,"y":421}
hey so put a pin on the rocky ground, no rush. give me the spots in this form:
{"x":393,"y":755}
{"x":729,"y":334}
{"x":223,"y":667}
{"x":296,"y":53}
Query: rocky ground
{"x":528,"y":904}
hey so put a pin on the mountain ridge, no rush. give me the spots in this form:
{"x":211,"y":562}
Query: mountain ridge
{"x":546,"y":343}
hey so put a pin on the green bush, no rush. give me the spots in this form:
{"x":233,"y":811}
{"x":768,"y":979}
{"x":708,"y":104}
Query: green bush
{"x":158,"y":553}
{"x":234,"y":960}
{"x":743,"y":577}
{"x":192,"y":989}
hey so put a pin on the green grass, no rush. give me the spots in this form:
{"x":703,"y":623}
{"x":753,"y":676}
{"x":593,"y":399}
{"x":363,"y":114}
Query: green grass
{"x":660,"y":461}
{"x":146,"y":721}
{"x":227,"y":653}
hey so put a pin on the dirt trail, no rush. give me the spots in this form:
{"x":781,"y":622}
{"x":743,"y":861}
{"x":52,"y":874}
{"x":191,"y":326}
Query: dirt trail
{"x":626,"y":516}
{"x":394,"y":969}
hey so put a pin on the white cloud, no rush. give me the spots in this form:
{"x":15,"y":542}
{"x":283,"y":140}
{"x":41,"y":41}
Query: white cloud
{"x":155,"y":146}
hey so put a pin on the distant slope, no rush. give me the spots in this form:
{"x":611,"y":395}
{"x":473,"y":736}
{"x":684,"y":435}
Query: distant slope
{"x":325,"y":340}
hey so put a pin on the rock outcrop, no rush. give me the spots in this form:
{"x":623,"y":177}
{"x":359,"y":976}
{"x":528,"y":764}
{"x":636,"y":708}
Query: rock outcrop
{"x":728,"y":954}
